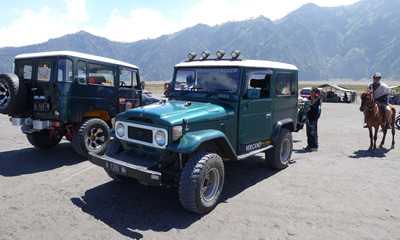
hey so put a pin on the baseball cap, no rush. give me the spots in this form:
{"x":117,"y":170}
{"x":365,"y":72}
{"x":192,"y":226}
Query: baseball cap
{"x":377,"y":75}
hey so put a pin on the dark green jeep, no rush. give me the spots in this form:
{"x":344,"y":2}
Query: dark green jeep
{"x":69,"y":94}
{"x":219,"y":109}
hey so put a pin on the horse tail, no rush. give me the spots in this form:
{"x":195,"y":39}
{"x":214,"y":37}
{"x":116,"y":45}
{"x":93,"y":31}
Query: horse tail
{"x":393,"y":113}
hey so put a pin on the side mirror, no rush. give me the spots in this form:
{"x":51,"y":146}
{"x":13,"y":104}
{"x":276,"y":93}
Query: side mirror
{"x":142,"y":84}
{"x":253,"y":93}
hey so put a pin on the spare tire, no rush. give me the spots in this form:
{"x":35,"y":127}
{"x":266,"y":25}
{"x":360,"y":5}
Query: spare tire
{"x":12,"y":94}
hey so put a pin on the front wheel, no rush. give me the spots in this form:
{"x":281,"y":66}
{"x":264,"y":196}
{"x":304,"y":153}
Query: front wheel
{"x":91,"y":136}
{"x":201,"y":182}
{"x":279,"y":156}
{"x":397,"y":122}
{"x":43,"y":139}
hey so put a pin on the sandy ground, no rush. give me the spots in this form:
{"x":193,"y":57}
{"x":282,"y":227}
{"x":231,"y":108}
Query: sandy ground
{"x":340,"y":192}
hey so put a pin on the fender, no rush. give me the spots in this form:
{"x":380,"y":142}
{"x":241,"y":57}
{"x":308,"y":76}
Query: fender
{"x":279,"y":125}
{"x":192,"y":140}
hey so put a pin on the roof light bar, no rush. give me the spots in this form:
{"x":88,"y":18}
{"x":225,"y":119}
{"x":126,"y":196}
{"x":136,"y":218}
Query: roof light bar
{"x":220,"y":54}
{"x":191,"y":56}
{"x":235,"y":54}
{"x":205,"y":54}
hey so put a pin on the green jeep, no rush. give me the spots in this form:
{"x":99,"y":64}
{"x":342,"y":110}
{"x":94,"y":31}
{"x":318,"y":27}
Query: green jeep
{"x":69,"y":94}
{"x":219,"y":109}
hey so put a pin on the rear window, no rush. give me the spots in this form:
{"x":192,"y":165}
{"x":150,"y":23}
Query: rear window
{"x":285,"y":84}
{"x":44,"y":71}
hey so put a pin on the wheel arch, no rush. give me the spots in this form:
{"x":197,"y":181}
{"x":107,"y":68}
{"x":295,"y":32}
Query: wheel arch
{"x":287,"y":123}
{"x":205,"y":140}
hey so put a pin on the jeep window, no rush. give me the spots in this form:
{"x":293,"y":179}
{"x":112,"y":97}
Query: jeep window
{"x":260,"y":80}
{"x":285,"y":84}
{"x":44,"y":71}
{"x":127,"y":77}
{"x":25,"y":71}
{"x":82,"y":72}
{"x":64,"y":70}
{"x":101,"y":75}
{"x":207,"y":79}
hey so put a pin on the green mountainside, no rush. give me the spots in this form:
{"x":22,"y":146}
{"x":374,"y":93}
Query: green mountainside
{"x":350,"y":42}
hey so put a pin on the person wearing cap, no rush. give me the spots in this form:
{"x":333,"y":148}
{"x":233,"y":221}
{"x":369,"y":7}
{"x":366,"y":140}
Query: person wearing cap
{"x":313,"y":116}
{"x":381,"y":93}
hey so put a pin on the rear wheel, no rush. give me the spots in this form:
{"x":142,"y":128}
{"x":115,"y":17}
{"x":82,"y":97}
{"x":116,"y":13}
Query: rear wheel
{"x":43,"y":139}
{"x":279,"y":156}
{"x":201,"y":182}
{"x":12,"y":94}
{"x":397,"y":122}
{"x":91,"y":136}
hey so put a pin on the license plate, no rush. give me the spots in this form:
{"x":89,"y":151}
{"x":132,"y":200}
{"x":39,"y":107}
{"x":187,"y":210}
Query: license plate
{"x":42,"y":107}
{"x":114,"y":167}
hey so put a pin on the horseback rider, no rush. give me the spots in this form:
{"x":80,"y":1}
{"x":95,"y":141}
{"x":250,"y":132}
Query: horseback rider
{"x":381,"y":92}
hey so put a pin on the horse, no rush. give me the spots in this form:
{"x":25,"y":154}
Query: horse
{"x":375,"y":118}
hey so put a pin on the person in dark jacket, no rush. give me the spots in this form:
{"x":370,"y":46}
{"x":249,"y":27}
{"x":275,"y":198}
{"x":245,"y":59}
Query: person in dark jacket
{"x":313,"y":116}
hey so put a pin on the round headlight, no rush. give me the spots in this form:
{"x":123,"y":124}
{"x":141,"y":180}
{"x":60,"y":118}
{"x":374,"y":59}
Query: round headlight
{"x":120,"y":129}
{"x":160,"y":138}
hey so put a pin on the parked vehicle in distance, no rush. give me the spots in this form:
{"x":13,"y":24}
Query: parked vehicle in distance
{"x":219,"y":109}
{"x":305,"y":92}
{"x":59,"y":94}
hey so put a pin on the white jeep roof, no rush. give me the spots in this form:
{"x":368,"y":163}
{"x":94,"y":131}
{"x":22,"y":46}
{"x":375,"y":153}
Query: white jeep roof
{"x":75,"y":54}
{"x":237,"y":63}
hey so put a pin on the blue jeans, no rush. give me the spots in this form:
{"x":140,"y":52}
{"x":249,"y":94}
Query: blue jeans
{"x":312,"y":134}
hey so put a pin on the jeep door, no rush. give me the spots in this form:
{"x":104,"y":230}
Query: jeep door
{"x":43,"y":85}
{"x":128,"y":92}
{"x":255,"y":117}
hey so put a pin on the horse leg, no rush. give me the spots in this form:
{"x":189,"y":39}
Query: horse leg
{"x":384,"y":130}
{"x":375,"y":137}
{"x":370,"y":139}
{"x":392,"y":125}
{"x":393,"y":132}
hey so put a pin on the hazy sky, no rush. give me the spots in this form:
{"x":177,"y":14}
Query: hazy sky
{"x":26,"y":22}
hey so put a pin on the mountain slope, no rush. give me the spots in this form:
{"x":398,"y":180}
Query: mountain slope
{"x":349,"y":42}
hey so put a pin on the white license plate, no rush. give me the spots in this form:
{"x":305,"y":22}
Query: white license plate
{"x":114,"y":167}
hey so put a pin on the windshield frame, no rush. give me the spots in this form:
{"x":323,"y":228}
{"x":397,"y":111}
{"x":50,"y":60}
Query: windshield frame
{"x":204,"y":81}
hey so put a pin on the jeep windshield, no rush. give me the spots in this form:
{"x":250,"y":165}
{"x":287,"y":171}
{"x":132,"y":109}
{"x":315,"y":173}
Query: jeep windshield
{"x":210,"y":80}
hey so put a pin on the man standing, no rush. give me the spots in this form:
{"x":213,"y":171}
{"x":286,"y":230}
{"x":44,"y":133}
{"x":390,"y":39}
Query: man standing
{"x":381,"y":93}
{"x":313,"y":115}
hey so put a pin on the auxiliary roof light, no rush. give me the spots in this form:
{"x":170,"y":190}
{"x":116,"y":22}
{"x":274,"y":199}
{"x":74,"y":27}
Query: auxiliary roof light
{"x":191,"y":56}
{"x":220,"y":54}
{"x":205,"y":54}
{"x":235,"y":54}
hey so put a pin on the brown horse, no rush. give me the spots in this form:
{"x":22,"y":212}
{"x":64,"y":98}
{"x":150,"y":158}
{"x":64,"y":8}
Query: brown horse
{"x":375,"y":118}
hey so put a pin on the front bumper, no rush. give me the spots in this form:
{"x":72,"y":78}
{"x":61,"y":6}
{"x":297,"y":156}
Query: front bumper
{"x":127,"y":169}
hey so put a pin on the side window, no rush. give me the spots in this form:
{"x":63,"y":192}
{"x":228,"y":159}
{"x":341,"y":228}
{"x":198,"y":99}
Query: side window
{"x":127,"y":77}
{"x":44,"y":71}
{"x":64,"y":70}
{"x":101,"y":75}
{"x":285,"y":84}
{"x":25,"y":71}
{"x":82,"y":72}
{"x":260,"y":81}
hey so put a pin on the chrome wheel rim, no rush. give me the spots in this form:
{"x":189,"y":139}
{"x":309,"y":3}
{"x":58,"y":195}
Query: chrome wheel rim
{"x":4,"y":94}
{"x":95,"y":138}
{"x":211,"y":184}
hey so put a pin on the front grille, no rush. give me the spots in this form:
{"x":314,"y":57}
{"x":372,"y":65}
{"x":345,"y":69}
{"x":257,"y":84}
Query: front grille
{"x":140,"y":134}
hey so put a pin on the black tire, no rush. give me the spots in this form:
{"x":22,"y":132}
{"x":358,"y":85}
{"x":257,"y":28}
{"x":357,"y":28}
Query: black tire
{"x":397,"y":122}
{"x":43,"y":139}
{"x":279,"y":156}
{"x":91,"y":136}
{"x":12,"y":94}
{"x":201,"y":182}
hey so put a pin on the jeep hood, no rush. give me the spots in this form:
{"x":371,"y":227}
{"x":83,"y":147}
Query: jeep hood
{"x":173,"y":112}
